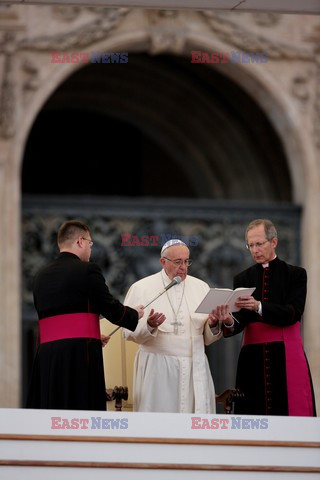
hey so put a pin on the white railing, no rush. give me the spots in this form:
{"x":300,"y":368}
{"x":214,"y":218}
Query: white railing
{"x":51,"y":444}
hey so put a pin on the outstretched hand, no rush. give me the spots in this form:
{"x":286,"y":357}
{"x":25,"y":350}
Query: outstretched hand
{"x":155,"y":318}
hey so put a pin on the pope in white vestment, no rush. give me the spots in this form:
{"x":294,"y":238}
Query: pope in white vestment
{"x":171,"y":369}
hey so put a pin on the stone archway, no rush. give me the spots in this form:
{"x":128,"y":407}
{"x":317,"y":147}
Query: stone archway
{"x":180,"y":124}
{"x":154,"y":39}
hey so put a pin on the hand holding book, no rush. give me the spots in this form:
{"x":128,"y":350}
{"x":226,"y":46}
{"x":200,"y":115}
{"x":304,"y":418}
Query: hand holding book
{"x":220,"y":315}
{"x":223,"y":296}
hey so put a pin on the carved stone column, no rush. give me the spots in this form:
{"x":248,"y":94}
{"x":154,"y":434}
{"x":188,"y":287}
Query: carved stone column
{"x":10,"y":331}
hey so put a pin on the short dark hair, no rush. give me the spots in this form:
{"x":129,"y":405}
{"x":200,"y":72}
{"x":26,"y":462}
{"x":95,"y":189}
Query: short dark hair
{"x":269,"y":228}
{"x":70,"y":230}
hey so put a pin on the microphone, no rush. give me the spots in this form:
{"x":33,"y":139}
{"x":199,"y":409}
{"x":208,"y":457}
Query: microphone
{"x":175,"y":281}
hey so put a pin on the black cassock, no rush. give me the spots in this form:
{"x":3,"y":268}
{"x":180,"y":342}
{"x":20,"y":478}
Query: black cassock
{"x":273,"y":372}
{"x":68,"y":373}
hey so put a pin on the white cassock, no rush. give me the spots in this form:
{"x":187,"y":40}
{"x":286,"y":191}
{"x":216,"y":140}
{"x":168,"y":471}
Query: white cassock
{"x":171,"y":369}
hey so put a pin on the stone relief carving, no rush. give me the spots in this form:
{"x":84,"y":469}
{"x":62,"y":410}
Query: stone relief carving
{"x":165,"y":35}
{"x":96,"y":30}
{"x":166,"y":39}
{"x":299,"y":87}
{"x":69,"y":13}
{"x":265,"y":19}
{"x":154,"y":16}
{"x":236,"y":35}
{"x":66,"y":13}
{"x":31,"y":80}
{"x":313,"y":33}
{"x":31,"y":70}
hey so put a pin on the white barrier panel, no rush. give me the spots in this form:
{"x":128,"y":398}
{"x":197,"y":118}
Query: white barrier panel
{"x":64,"y":444}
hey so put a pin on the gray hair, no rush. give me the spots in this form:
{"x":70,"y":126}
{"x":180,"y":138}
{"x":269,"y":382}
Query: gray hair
{"x":269,"y":228}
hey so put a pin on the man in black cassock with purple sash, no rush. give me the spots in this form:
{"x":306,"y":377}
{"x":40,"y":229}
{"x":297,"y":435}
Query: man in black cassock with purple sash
{"x":273,"y":371}
{"x":69,"y":295}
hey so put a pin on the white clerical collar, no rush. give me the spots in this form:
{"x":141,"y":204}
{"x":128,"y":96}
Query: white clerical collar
{"x":265,"y":265}
{"x":167,"y":280}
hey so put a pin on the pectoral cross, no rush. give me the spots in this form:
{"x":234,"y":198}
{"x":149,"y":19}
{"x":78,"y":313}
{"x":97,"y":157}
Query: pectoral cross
{"x":176,"y":326}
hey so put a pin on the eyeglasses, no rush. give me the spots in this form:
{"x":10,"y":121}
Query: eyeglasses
{"x":250,"y":246}
{"x":88,"y":240}
{"x":179,"y":261}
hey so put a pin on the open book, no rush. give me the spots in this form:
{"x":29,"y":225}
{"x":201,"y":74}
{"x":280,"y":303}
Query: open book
{"x":223,"y":296}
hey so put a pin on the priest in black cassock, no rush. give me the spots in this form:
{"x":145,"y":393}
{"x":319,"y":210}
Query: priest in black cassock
{"x":273,"y":371}
{"x":69,"y":295}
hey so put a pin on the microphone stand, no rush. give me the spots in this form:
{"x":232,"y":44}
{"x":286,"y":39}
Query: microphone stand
{"x":114,"y":331}
{"x":159,"y":295}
